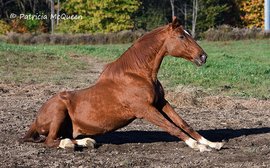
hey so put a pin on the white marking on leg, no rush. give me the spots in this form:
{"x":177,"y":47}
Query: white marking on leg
{"x":215,"y":145}
{"x":191,"y":143}
{"x":86,"y":142}
{"x":66,"y":143}
{"x":194,"y":145}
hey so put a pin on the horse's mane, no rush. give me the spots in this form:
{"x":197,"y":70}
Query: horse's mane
{"x":138,"y":55}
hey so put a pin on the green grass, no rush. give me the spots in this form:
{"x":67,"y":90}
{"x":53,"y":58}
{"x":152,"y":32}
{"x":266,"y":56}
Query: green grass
{"x":238,"y":68}
{"x":234,"y":68}
{"x":37,"y":64}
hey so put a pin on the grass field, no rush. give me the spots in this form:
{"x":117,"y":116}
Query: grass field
{"x":234,"y":68}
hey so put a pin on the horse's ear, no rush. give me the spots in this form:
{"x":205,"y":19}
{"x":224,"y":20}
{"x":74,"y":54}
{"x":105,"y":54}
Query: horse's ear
{"x":176,"y":22}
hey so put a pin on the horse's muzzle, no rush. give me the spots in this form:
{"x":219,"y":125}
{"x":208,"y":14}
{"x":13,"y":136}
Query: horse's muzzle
{"x":200,"y":60}
{"x":203,"y":58}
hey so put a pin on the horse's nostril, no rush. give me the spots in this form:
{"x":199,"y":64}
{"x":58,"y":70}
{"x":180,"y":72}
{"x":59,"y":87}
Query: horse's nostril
{"x":203,"y":58}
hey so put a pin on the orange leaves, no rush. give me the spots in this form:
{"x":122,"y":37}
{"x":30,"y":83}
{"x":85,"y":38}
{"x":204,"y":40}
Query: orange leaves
{"x":253,"y":12}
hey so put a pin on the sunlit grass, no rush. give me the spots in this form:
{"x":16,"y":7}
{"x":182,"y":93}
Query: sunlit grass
{"x":234,"y":68}
{"x":36,"y":64}
{"x":240,"y":68}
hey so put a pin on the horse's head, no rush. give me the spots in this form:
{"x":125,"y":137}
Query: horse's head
{"x":181,"y":44}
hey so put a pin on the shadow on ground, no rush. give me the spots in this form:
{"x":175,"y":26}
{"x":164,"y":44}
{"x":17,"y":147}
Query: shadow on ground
{"x":123,"y":137}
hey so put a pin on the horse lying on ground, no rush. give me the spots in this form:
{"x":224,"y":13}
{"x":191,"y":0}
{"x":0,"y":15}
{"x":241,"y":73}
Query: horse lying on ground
{"x":127,"y":89}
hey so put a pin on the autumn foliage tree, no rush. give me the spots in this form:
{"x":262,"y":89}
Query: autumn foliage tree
{"x":253,"y":12}
{"x":99,"y":16}
{"x":103,"y":16}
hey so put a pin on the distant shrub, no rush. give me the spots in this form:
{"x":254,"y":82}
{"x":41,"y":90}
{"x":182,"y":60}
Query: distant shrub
{"x":18,"y":38}
{"x":40,"y":39}
{"x":68,"y":39}
{"x":4,"y":27}
{"x":225,"y":33}
{"x":34,"y":25}
{"x":3,"y":38}
{"x":18,"y":26}
{"x":28,"y":26}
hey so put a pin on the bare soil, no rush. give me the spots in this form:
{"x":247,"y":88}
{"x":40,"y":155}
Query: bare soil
{"x":244,"y":124}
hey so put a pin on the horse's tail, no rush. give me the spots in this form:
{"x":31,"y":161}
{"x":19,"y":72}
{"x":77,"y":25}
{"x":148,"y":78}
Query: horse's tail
{"x":31,"y":135}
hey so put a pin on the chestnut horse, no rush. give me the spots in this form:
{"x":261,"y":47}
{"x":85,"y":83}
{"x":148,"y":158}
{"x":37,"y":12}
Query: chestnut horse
{"x":127,"y":89}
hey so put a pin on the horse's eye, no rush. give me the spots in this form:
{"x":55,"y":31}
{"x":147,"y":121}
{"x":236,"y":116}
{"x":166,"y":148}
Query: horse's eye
{"x":181,"y":36}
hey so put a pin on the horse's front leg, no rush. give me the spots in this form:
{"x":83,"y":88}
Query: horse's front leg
{"x":152,"y":115}
{"x":169,"y":111}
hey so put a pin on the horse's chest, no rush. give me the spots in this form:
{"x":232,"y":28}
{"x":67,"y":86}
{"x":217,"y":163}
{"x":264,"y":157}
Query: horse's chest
{"x":150,"y":93}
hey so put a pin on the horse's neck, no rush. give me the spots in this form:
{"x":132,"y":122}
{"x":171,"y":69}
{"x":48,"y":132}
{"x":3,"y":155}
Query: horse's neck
{"x":142,"y":58}
{"x":157,"y":62}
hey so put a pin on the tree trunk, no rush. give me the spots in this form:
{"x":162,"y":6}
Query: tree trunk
{"x":172,"y":5}
{"x":58,"y":12}
{"x":21,"y":6}
{"x":52,"y":16}
{"x":185,"y":13}
{"x":194,"y":17}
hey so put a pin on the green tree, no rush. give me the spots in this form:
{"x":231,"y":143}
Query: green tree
{"x":213,"y":13}
{"x":151,"y":14}
{"x":99,"y":15}
{"x":210,"y":13}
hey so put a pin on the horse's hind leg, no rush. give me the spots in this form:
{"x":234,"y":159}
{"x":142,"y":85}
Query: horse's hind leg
{"x":71,"y":143}
{"x":169,"y":111}
{"x":52,"y":140}
{"x":78,"y":142}
{"x":61,"y":122}
{"x":55,"y":125}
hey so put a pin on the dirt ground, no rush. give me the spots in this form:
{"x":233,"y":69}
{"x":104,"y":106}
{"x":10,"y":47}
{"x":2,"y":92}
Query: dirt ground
{"x":244,"y":124}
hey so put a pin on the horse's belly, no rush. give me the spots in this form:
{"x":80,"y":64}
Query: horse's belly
{"x":102,"y":117}
{"x":103,"y":108}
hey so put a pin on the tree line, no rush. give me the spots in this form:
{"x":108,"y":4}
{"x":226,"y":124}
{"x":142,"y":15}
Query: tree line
{"x":103,"y":16}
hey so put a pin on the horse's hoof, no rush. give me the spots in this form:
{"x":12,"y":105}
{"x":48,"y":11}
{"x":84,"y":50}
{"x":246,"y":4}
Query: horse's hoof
{"x":204,"y":148}
{"x":86,"y":142}
{"x":218,"y":145}
{"x":66,"y":143}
